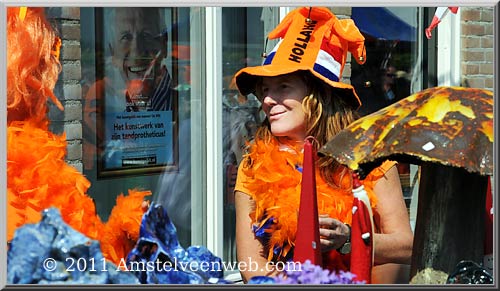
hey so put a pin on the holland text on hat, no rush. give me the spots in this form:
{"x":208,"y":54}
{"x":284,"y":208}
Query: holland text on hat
{"x":298,"y":49}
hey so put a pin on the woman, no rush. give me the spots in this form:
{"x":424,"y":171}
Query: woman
{"x":301,"y":95}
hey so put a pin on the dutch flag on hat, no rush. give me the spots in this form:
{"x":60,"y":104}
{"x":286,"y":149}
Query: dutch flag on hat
{"x":325,"y":63}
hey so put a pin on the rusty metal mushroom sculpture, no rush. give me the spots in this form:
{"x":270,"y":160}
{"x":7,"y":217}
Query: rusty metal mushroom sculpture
{"x":448,"y":131}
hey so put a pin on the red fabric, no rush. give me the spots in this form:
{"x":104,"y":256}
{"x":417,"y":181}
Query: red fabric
{"x":361,"y":250}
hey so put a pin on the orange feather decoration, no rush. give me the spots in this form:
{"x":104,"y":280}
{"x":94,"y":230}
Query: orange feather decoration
{"x":271,"y":179}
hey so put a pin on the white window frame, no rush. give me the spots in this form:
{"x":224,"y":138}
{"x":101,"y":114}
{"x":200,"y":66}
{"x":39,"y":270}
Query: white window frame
{"x":214,"y":169}
{"x":448,"y":50}
{"x":198,"y":150}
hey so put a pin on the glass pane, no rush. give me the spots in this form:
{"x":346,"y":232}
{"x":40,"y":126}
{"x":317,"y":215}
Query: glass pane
{"x":242,"y":46}
{"x":391,"y":41}
{"x":392,"y":68}
{"x":137,"y":130}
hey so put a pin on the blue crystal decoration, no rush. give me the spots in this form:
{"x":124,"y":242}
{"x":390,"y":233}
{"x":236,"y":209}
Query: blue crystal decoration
{"x":159,"y":248}
{"x":52,"y":252}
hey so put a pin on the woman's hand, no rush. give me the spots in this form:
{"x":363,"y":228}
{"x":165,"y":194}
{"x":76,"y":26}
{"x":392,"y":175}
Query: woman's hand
{"x":333,"y":233}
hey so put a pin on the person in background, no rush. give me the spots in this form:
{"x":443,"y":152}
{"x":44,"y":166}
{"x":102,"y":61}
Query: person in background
{"x":302,"y":95}
{"x":174,"y":187}
{"x":388,"y":84}
{"x":395,"y":85}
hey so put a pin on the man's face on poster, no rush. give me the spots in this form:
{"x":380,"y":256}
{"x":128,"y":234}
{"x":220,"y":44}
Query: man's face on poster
{"x":137,"y":43}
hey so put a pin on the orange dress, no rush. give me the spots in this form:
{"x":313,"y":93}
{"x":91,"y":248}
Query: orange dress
{"x":270,"y":176}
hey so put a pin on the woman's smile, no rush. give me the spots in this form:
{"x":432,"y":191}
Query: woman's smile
{"x":276,"y":115}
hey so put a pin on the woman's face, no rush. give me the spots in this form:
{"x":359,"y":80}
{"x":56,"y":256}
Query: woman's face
{"x":282,"y":102}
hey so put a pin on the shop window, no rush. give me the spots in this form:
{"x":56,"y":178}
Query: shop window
{"x":137,"y":125}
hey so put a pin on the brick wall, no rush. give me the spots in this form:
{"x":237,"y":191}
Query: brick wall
{"x":477,"y":47}
{"x":68,"y":89}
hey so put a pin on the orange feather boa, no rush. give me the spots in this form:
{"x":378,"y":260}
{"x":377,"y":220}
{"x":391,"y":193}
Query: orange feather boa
{"x":38,"y":177}
{"x":268,"y":174}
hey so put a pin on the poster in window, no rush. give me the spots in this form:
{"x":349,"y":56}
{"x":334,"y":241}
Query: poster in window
{"x":138,"y":109}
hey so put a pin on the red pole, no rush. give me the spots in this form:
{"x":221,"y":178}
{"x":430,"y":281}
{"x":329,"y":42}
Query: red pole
{"x":307,"y":243}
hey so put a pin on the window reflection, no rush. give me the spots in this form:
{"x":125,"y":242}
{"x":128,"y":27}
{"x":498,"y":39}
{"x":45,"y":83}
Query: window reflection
{"x":130,"y":55}
{"x":243,"y":31}
{"x":391,"y":55}
{"x":391,"y":67}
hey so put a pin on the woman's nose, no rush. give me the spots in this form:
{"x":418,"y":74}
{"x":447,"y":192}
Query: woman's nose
{"x":269,"y":100}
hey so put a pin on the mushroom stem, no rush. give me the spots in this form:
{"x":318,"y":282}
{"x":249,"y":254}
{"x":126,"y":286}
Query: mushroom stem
{"x":450,"y":224}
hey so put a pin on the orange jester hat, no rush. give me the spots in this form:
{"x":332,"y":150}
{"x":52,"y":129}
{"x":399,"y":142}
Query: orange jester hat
{"x":37,"y":175}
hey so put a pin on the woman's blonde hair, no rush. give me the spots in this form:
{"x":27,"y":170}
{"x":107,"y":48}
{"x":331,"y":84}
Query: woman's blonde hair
{"x":327,"y":113}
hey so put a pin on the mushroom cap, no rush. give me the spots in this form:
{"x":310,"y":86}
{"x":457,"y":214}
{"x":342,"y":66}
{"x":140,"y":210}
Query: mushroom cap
{"x":452,"y":126}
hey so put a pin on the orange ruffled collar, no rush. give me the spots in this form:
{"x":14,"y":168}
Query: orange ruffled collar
{"x":274,"y":184}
